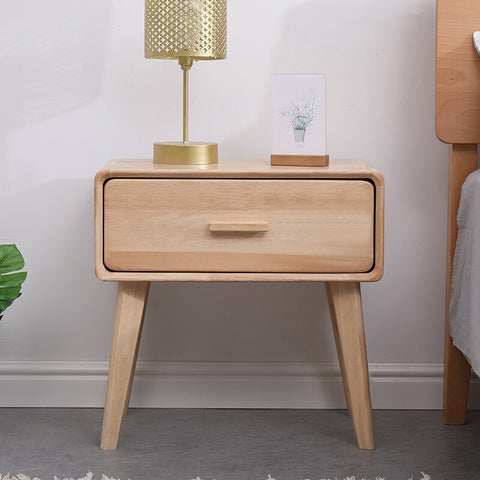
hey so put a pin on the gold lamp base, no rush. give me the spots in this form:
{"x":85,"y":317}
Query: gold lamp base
{"x":179,"y":153}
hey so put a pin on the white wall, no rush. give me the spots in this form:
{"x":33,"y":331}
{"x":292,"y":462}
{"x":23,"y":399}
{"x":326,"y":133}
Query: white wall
{"x":76,"y":92}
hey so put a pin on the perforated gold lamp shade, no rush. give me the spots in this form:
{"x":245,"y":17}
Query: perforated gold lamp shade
{"x":185,"y":30}
{"x":195,"y":29}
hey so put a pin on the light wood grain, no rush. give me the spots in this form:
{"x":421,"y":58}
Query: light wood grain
{"x":463,"y":161}
{"x":347,"y":320}
{"x":226,"y":169}
{"x":280,"y":219}
{"x":131,"y":300}
{"x":300,"y":160}
{"x":109,"y":276}
{"x":100,"y":270}
{"x":458,"y":122}
{"x":458,"y":72}
{"x":338,"y":344}
{"x":238,"y":168}
{"x":314,"y":225}
{"x":137,"y":346}
{"x":239,"y":226}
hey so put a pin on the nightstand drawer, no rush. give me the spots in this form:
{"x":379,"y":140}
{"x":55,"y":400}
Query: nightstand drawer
{"x":238,"y":225}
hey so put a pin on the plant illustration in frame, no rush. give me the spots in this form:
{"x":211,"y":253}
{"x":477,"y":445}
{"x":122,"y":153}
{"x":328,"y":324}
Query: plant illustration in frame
{"x":301,"y":114}
{"x":299,"y":124}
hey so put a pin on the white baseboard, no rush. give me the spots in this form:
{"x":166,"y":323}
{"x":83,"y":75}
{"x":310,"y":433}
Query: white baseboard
{"x":221,"y":385}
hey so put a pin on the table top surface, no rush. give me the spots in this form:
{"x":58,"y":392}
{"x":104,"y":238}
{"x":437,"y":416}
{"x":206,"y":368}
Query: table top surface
{"x":238,"y":168}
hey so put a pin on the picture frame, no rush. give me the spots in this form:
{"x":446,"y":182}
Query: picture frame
{"x":299,"y":119}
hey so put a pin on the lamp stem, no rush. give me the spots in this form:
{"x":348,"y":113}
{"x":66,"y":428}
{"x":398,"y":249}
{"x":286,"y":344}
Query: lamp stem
{"x":186,"y":64}
{"x":185,"y":106}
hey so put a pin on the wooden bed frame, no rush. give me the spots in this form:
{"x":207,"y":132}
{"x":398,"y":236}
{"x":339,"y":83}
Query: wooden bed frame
{"x":457,"y":123}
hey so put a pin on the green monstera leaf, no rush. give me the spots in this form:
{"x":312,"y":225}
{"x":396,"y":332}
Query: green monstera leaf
{"x":11,"y":260}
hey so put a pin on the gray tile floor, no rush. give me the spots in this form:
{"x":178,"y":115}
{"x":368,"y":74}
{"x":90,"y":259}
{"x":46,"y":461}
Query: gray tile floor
{"x":180,"y":444}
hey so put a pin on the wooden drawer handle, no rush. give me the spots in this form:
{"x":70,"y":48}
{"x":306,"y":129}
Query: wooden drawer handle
{"x":239,"y":226}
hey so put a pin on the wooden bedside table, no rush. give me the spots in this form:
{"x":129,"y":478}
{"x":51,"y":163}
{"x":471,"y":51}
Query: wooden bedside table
{"x":240,"y":220}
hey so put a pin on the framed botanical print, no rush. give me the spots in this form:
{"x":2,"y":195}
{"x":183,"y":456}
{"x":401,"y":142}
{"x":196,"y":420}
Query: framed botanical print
{"x":299,"y":120}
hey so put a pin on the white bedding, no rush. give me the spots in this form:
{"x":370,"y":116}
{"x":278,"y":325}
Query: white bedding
{"x":465,"y":298}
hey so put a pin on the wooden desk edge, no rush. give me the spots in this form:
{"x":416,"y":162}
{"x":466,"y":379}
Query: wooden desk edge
{"x":106,"y":275}
{"x":259,"y":168}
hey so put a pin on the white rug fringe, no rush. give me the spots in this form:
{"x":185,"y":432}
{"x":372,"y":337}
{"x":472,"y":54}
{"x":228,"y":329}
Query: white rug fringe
{"x":20,"y":476}
{"x":90,"y":476}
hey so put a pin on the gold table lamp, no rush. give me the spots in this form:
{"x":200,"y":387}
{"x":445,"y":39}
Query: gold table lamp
{"x":185,"y":30}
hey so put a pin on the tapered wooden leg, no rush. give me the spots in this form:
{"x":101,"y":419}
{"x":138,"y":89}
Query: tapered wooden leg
{"x":463,"y":161}
{"x":347,"y":320}
{"x":132,"y":371}
{"x":132,"y":374}
{"x":339,"y":347}
{"x":131,"y":300}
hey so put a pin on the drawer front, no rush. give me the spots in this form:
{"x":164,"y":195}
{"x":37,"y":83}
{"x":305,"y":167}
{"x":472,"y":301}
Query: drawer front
{"x":225,"y":225}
